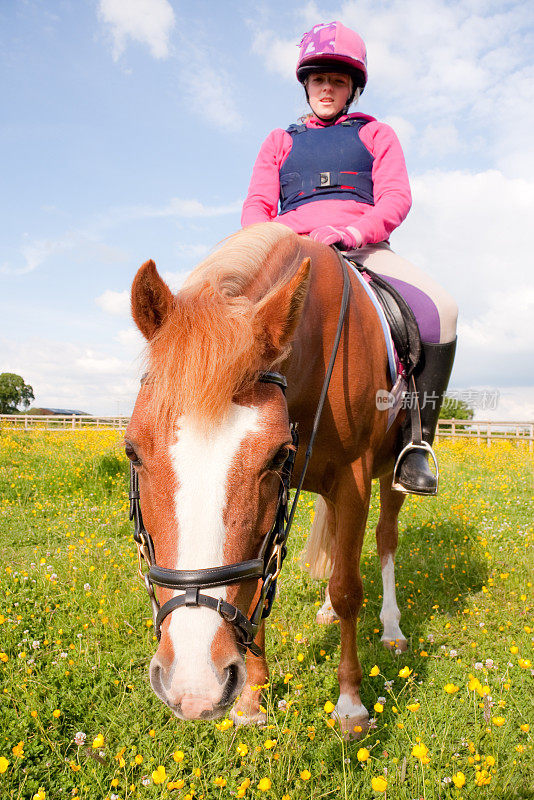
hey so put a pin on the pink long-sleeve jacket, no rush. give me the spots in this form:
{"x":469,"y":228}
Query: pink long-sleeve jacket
{"x":361,"y":223}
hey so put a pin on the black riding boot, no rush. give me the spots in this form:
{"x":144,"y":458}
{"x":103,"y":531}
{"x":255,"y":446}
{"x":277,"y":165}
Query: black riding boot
{"x":412,"y":475}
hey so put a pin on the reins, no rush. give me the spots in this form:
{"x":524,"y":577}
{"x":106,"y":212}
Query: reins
{"x":268,"y":565}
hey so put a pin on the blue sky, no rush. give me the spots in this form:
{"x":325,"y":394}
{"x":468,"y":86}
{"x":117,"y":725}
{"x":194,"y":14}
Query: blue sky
{"x":129,"y":129}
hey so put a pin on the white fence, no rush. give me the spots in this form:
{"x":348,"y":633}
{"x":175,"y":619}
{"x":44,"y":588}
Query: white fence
{"x":57,"y":422}
{"x":481,"y":430}
{"x":486,"y":430}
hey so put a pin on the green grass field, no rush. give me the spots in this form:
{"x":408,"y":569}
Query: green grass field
{"x":78,"y":717}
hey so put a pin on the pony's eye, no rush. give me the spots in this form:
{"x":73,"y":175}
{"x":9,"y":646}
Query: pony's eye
{"x":279,"y":459}
{"x":131,"y":452}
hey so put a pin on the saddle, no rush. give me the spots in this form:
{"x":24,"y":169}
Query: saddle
{"x":399,"y":316}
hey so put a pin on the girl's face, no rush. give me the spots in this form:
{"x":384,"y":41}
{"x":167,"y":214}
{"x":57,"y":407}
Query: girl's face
{"x":328,"y":93}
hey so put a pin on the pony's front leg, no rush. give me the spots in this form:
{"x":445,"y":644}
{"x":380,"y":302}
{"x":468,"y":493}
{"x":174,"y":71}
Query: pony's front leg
{"x":346,"y":594}
{"x":246,"y":710}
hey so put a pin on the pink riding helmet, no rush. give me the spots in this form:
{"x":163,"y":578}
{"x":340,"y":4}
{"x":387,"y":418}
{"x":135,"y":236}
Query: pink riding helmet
{"x":332,"y":45}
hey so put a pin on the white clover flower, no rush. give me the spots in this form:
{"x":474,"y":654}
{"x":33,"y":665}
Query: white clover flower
{"x":80,"y":738}
{"x":479,"y":665}
{"x":87,"y":587}
{"x":453,"y":653}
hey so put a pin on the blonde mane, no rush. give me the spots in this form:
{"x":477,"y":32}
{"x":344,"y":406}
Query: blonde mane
{"x":208,"y":348}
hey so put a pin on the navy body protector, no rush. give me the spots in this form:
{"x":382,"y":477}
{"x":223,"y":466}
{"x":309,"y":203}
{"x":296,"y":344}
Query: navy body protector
{"x":326,"y":164}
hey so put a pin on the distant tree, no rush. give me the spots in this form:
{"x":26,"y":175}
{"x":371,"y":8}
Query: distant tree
{"x":455,"y":409}
{"x":14,"y":393}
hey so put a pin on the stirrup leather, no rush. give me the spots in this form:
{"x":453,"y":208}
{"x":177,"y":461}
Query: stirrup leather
{"x":408,"y":449}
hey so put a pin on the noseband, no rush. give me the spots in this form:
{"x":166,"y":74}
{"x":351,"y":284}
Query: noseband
{"x":273,"y":551}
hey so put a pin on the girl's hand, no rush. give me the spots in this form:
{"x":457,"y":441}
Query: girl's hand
{"x":327,"y":234}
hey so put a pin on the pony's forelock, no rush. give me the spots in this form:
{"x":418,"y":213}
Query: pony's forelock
{"x":208,"y":348}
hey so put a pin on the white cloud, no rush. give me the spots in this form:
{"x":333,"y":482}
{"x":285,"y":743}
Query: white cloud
{"x":130,"y":338}
{"x":93,"y":363}
{"x":505,"y":326}
{"x":84,"y":243}
{"x":148,"y":22}
{"x":65,"y":375}
{"x":404,"y":129}
{"x":177,"y":207}
{"x":511,"y":403}
{"x":116,"y":303}
{"x":280,"y":55}
{"x":212,"y":95}
{"x":196,"y":251}
{"x":471,"y":232}
{"x":174,"y":280}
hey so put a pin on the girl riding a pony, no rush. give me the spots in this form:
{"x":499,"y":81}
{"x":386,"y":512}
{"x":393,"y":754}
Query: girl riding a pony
{"x":341,"y":179}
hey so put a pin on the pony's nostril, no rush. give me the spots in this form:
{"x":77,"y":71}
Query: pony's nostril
{"x":232,"y":675}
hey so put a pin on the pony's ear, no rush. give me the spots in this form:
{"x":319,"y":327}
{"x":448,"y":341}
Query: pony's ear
{"x":152,"y":300}
{"x":277,"y":315}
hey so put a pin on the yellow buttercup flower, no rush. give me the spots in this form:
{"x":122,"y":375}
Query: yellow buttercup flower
{"x":413,"y":706}
{"x":458,"y":779}
{"x":378,"y":707}
{"x":450,"y":688}
{"x":498,"y":721}
{"x":305,"y":775}
{"x":329,"y":707}
{"x":405,"y":672}
{"x":98,"y":741}
{"x":363,"y":754}
{"x":225,"y":725}
{"x":379,"y":784}
{"x":18,"y":750}
{"x":178,"y":756}
{"x":420,"y":751}
{"x":4,"y":764}
{"x":525,"y":727}
{"x":242,"y":749}
{"x":159,"y":775}
{"x":374,"y":671}
{"x":220,"y":781}
{"x":264,"y":784}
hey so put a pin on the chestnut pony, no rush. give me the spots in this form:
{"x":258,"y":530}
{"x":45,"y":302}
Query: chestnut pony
{"x":207,"y":440}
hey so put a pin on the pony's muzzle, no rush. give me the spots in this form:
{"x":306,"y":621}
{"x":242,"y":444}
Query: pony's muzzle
{"x":208,"y":701}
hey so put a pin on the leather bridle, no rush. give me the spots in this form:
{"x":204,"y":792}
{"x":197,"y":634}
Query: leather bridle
{"x":273,"y":551}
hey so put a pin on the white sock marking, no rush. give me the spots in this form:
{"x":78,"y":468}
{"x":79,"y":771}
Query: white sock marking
{"x":390,"y":614}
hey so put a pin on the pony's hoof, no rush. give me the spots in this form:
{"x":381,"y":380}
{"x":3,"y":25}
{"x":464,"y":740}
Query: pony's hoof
{"x":353,"y":728}
{"x":326,"y":615}
{"x":253,"y":718}
{"x":352,"y":716}
{"x":399,"y":645}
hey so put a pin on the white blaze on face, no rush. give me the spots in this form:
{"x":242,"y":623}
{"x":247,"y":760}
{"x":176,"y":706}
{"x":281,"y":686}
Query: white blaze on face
{"x":201,"y":460}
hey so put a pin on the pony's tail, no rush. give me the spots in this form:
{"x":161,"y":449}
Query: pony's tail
{"x":317,"y":556}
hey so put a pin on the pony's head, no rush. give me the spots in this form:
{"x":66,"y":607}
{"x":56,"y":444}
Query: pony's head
{"x":207,"y":439}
